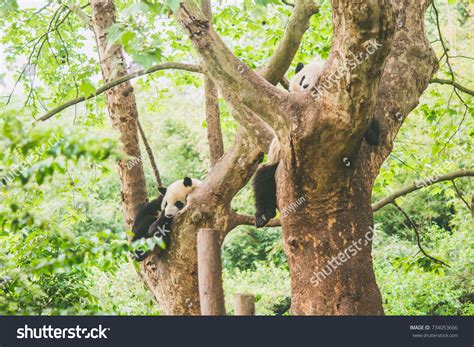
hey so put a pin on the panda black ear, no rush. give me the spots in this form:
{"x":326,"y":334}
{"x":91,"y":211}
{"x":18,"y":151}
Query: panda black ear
{"x":162,"y":190}
{"x":298,"y":68}
{"x":187,"y":182}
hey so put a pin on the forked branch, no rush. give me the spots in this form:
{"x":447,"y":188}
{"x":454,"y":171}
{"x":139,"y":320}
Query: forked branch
{"x":298,"y":23}
{"x":229,"y":72}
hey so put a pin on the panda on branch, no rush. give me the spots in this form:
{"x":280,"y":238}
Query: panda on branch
{"x":154,"y":219}
{"x":264,"y":184}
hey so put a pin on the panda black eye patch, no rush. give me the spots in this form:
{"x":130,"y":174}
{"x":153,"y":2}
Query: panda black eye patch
{"x":301,"y":82}
{"x":179,"y":204}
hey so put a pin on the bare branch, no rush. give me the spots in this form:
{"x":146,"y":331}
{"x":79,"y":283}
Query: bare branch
{"x":40,"y":40}
{"x":460,"y":195}
{"x":454,"y":84}
{"x":287,"y":3}
{"x":116,"y":82}
{"x":151,"y":157}
{"x":289,"y":44}
{"x":418,"y":238}
{"x":419,"y":185}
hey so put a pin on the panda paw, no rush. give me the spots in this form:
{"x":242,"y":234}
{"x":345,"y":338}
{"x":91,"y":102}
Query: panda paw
{"x":260,"y":221}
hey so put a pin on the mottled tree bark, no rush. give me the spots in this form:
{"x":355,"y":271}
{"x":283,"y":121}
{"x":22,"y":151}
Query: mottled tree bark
{"x":122,"y":110}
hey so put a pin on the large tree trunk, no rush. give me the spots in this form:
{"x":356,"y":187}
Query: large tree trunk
{"x":122,"y":110}
{"x":328,"y":241}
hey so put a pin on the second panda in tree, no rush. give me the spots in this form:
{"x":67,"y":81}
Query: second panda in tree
{"x":154,"y":219}
{"x":264,"y":184}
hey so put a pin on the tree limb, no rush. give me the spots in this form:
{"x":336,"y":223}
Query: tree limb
{"x":228,"y":71}
{"x":241,"y":219}
{"x":116,"y":82}
{"x":418,"y":185}
{"x":454,"y":84}
{"x":409,"y":67}
{"x":350,"y":79}
{"x":289,"y":44}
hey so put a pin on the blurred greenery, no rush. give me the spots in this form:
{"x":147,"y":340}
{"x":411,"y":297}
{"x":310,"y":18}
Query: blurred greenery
{"x":63,"y":247}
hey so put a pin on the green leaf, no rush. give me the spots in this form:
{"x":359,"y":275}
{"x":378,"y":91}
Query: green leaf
{"x":7,"y":6}
{"x":86,"y":88}
{"x":127,"y":37}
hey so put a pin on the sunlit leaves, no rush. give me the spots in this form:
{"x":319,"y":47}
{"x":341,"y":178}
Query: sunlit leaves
{"x":7,"y":6}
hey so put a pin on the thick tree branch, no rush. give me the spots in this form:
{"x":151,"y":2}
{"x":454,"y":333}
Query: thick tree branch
{"x":229,"y":72}
{"x":346,"y":90}
{"x":241,"y":219}
{"x":418,"y":185}
{"x":120,"y":80}
{"x":454,"y":84}
{"x":408,"y":70}
{"x":289,"y":44}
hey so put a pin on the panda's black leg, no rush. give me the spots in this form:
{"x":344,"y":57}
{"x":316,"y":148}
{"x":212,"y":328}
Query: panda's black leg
{"x":372,"y":136}
{"x":139,"y":255}
{"x":264,"y":187}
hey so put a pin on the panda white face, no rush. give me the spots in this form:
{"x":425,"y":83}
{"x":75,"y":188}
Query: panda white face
{"x":176,"y":194}
{"x":305,"y":77}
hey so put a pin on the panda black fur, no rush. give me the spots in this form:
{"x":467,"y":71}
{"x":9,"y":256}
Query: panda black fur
{"x":150,"y":221}
{"x":155,"y":217}
{"x":264,"y":185}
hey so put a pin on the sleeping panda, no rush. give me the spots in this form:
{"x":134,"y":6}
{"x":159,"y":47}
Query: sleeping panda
{"x":264,"y":185}
{"x":174,"y":197}
{"x":154,"y":219}
{"x":305,"y":77}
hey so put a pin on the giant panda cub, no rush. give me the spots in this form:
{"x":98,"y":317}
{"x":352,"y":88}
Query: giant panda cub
{"x":154,"y":219}
{"x":264,"y":185}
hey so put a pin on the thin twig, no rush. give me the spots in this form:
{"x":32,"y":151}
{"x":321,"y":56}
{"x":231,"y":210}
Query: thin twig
{"x":454,"y":84}
{"x":460,"y":195}
{"x":150,"y":155}
{"x":418,"y":238}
